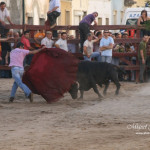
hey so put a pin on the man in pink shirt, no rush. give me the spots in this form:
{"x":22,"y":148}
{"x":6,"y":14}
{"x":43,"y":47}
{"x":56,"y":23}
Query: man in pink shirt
{"x":16,"y":63}
{"x":25,"y":40}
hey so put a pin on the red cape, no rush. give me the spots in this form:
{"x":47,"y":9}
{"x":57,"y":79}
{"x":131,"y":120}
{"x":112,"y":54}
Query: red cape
{"x":51,"y":74}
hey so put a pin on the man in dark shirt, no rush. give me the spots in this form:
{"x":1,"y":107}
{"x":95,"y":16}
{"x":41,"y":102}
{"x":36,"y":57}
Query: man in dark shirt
{"x":142,"y":56}
{"x":84,"y":27}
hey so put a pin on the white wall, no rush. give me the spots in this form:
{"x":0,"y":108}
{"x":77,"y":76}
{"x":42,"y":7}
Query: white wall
{"x":117,"y":8}
{"x":103,"y":7}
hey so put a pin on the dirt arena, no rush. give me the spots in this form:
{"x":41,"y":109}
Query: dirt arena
{"x":116,"y":123}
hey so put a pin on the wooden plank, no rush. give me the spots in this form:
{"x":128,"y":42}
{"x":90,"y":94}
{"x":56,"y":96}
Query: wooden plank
{"x":4,"y":67}
{"x":43,"y":27}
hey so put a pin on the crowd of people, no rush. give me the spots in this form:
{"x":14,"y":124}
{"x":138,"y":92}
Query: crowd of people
{"x":97,"y":45}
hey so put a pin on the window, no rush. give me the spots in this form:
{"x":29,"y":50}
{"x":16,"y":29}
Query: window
{"x":67,"y":22}
{"x":42,"y":21}
{"x":122,"y":14}
{"x":107,"y":21}
{"x":84,"y":14}
{"x":99,"y":21}
{"x":30,"y":20}
{"x":115,"y":17}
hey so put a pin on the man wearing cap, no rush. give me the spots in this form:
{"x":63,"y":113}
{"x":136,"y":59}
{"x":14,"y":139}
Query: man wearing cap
{"x":84,"y":27}
{"x":106,"y":46}
{"x":47,"y":41}
{"x":88,"y":49}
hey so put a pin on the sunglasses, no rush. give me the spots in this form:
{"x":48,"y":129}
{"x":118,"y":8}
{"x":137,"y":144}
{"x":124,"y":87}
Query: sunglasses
{"x":106,"y":32}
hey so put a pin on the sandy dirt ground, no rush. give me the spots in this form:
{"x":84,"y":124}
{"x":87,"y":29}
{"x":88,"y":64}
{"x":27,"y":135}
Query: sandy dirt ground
{"x":115,"y":123}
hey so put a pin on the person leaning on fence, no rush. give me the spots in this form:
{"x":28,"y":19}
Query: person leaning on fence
{"x":88,"y":49}
{"x":16,"y":63}
{"x":106,"y":46}
{"x":84,"y":27}
{"x":4,"y":14}
{"x":47,"y":41}
{"x":62,"y":42}
{"x":142,"y":55}
{"x":142,"y":21}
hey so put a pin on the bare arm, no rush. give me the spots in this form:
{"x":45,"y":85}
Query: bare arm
{"x":138,"y":23}
{"x":85,"y":51}
{"x":5,"y":39}
{"x":96,"y":40}
{"x":8,"y":18}
{"x":103,"y":48}
{"x":6,"y":58}
{"x":142,"y":56}
{"x":36,"y":51}
{"x":95,"y":22}
{"x":57,"y":46}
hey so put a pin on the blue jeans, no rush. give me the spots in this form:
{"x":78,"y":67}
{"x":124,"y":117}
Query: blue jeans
{"x":17,"y":73}
{"x":93,"y":55}
{"x":107,"y":59}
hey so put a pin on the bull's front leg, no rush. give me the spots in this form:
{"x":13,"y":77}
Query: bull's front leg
{"x":97,"y":92}
{"x":81,"y":94}
{"x":106,"y":87}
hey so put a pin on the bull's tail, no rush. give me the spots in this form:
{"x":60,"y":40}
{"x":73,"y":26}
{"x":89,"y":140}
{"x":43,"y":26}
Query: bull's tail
{"x":121,"y":72}
{"x":120,"y":69}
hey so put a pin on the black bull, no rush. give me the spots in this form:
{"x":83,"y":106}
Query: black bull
{"x":91,"y":73}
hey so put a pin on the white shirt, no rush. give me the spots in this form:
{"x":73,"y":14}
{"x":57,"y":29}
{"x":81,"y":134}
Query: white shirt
{"x":89,"y":45}
{"x":62,"y":44}
{"x":3,"y":14}
{"x":106,"y":42}
{"x":47,"y":42}
{"x":54,"y":3}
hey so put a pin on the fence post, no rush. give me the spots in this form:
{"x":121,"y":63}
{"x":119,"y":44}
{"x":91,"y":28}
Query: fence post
{"x":137,"y":61}
{"x":77,"y":45}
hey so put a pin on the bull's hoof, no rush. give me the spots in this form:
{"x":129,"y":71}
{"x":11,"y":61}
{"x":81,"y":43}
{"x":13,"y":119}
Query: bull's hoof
{"x":101,"y":98}
{"x":104,"y":93}
{"x":117,"y":93}
{"x":80,"y":98}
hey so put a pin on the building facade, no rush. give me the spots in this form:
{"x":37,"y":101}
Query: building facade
{"x":139,"y":3}
{"x":117,"y":11}
{"x":103,"y":7}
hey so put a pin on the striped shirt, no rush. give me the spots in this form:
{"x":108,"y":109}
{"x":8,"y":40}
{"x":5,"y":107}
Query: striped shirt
{"x":53,"y":4}
{"x":17,"y":57}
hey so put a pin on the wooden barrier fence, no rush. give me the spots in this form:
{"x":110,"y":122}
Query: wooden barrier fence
{"x":121,"y":55}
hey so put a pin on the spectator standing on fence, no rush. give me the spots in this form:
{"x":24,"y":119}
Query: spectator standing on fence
{"x":53,"y":13}
{"x":4,"y":14}
{"x":16,"y":63}
{"x":88,"y":49}
{"x":142,"y":21}
{"x":106,"y":46}
{"x":39,"y":36}
{"x":47,"y":41}
{"x":142,"y":55}
{"x":84,"y":27}
{"x":62,"y":42}
{"x":25,"y":40}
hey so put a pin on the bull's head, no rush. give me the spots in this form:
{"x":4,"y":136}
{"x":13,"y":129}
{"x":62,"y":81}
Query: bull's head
{"x":74,"y":91}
